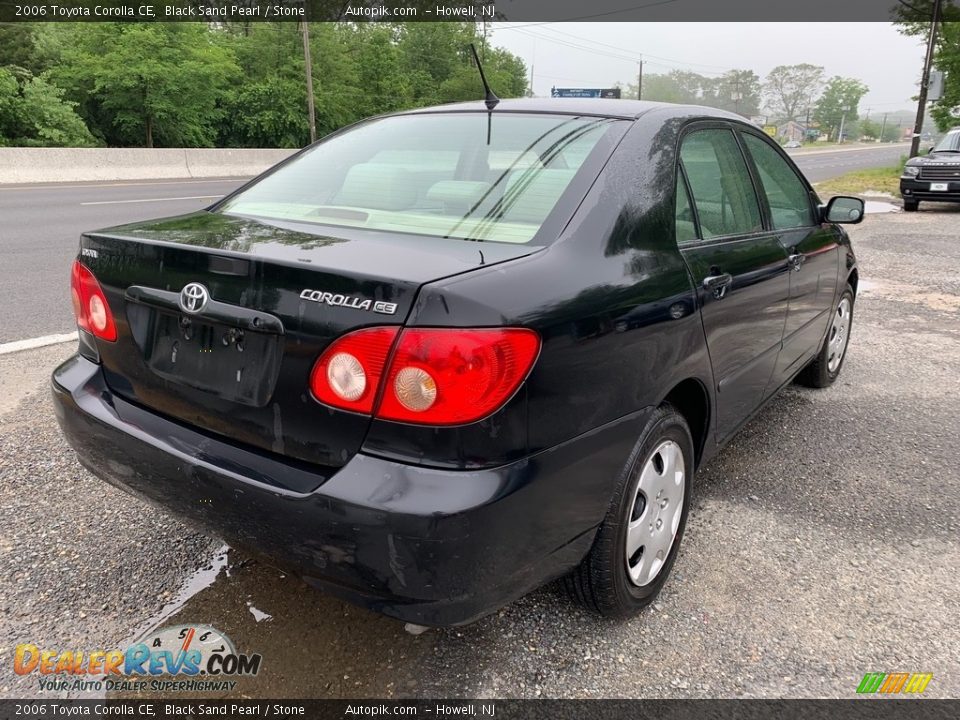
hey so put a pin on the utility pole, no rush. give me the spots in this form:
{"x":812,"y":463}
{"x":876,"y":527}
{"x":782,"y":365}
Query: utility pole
{"x":843,"y":119}
{"x":640,"y":79}
{"x":883,"y":126}
{"x":308,"y":67}
{"x":533,"y":61}
{"x":925,"y":80}
{"x":736,"y":95}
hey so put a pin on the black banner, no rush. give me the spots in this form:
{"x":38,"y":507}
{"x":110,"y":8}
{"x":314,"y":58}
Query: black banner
{"x":227,"y":11}
{"x":873,"y":709}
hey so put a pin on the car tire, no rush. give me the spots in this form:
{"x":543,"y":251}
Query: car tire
{"x":604,"y":581}
{"x":911,"y":205}
{"x":826,"y":366}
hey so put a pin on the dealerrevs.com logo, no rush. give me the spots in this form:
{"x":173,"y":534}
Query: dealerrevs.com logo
{"x":188,"y":658}
{"x":894,"y":683}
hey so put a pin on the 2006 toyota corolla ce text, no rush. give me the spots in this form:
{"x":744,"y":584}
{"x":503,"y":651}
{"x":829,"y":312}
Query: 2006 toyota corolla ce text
{"x":442,"y":357}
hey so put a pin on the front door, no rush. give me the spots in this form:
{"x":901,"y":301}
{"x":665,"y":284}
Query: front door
{"x":738,"y":266}
{"x":812,"y":252}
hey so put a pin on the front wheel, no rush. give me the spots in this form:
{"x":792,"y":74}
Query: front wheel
{"x":637,"y":543}
{"x":825,"y":367}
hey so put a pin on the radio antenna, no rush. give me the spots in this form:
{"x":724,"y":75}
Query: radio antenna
{"x":490,"y":99}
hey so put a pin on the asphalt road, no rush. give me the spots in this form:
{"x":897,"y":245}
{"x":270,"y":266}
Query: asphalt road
{"x":40,"y":224}
{"x":822,"y":544}
{"x":39,"y":230}
{"x":819,"y":165}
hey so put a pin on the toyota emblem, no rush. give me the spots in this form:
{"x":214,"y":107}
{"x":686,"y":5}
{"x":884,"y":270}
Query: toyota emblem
{"x":193,"y":297}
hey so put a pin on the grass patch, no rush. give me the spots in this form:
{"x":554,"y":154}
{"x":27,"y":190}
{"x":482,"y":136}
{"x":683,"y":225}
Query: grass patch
{"x":886,"y":180}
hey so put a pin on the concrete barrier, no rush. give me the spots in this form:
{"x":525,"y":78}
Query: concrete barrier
{"x":53,"y":165}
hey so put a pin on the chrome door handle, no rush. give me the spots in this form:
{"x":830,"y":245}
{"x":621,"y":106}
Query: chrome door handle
{"x":796,"y":261}
{"x":718,"y":284}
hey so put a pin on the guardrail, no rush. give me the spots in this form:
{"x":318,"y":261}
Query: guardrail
{"x":52,"y":165}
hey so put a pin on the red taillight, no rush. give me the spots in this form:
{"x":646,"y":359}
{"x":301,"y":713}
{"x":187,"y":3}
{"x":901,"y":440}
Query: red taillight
{"x":436,"y":376}
{"x":348,"y":374}
{"x":90,"y":304}
{"x":453,"y":376}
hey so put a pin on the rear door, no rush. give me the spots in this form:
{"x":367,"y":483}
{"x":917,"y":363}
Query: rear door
{"x":738,"y":266}
{"x":812,"y":253}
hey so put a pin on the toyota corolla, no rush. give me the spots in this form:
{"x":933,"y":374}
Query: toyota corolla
{"x":443,"y":357}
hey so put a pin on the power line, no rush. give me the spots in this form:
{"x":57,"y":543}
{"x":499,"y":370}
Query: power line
{"x":632,"y":58}
{"x":566,"y":43}
{"x":627,"y":50}
{"x":657,"y":3}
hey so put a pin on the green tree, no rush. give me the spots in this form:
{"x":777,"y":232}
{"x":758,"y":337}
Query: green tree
{"x":236,"y":84}
{"x":34,"y":113}
{"x":915,"y":21}
{"x":432,"y":53}
{"x":738,"y":91}
{"x":869,"y":128}
{"x":676,"y":86}
{"x":18,"y":46}
{"x":151,"y":84}
{"x":791,"y":89}
{"x":839,"y":103}
{"x":891,"y":133}
{"x":9,"y":106}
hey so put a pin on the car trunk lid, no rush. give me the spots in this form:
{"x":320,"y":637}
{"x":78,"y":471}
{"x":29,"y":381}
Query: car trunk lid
{"x":233,"y":356}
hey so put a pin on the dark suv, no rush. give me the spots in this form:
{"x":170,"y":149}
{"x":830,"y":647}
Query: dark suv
{"x":443,"y":357}
{"x":935,"y":176}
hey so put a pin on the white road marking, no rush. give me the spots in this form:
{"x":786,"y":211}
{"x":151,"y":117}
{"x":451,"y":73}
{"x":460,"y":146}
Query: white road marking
{"x":37,"y":342}
{"x":59,"y":186}
{"x":860,"y":148}
{"x":125,"y":202}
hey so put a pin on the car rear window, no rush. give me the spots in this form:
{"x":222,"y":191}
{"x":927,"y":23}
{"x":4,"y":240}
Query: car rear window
{"x":447,"y":175}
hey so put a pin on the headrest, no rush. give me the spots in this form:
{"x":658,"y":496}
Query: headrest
{"x":457,"y":194}
{"x":531,"y":194}
{"x":378,"y":186}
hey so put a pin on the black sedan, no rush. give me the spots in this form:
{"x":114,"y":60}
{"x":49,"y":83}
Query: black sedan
{"x":935,"y":176}
{"x":443,"y":357}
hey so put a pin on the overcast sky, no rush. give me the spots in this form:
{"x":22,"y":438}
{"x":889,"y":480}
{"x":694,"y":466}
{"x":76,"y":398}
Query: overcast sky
{"x":595,"y":54}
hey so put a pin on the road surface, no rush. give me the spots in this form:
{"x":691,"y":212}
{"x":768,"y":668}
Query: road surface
{"x":819,"y":165}
{"x":41,"y":223}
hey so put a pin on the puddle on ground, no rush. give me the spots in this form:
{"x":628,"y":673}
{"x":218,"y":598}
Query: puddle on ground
{"x":872,"y":207}
{"x":197,"y":582}
{"x":312,"y":644}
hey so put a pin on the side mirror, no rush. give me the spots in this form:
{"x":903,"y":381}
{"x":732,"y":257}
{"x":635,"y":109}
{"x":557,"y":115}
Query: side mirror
{"x":844,"y":209}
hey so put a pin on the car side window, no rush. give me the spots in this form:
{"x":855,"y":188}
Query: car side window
{"x":686,"y":227}
{"x":720,"y":183}
{"x":786,"y":194}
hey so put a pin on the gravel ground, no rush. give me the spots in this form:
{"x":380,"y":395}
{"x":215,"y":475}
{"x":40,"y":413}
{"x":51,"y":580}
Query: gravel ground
{"x":82,"y":565}
{"x":823,"y":544}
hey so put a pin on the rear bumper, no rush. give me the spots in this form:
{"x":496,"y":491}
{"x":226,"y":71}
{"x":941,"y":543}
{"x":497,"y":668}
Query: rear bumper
{"x":920,"y":190}
{"x":434,"y":547}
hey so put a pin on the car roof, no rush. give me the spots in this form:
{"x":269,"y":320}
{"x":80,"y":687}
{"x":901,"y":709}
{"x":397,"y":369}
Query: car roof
{"x":601,"y":107}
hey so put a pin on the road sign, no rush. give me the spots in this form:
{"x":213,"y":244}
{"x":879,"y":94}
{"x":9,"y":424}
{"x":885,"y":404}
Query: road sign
{"x":770,"y":130}
{"x":585,"y":93}
{"x":935,"y":86}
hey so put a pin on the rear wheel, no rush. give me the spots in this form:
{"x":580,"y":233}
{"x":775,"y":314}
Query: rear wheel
{"x":825,"y":367}
{"x":910,"y":205}
{"x":637,"y":543}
